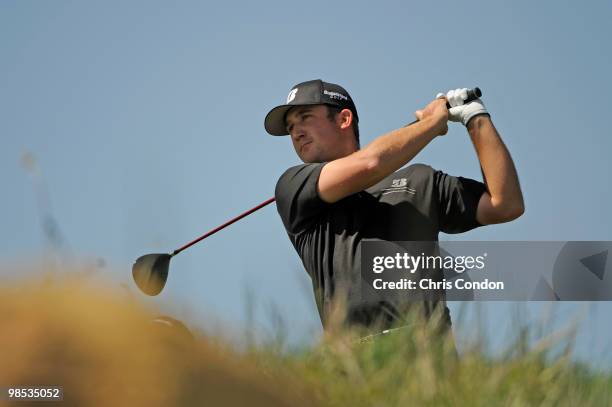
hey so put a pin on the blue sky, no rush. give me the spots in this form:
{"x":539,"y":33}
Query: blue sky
{"x":146,"y":122}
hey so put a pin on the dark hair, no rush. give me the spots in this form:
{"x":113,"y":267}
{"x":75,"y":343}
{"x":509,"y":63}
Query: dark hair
{"x":332,"y":112}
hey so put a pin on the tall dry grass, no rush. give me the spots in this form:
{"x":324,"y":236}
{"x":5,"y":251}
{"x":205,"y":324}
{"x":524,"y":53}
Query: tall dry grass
{"x":104,"y":350}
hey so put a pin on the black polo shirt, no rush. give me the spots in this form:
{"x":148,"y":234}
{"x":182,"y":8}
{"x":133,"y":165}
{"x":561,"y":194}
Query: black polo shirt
{"x":412,"y":204}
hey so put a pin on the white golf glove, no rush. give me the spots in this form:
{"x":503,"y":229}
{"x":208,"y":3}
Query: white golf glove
{"x":460,"y":112}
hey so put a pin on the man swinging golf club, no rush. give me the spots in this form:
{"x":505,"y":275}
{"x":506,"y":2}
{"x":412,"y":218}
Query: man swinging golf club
{"x":342,"y":194}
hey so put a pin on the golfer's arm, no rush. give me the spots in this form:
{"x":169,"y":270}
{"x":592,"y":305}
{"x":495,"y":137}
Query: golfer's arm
{"x":504,"y":200}
{"x":364,"y":168}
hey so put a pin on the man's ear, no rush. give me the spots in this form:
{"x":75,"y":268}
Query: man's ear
{"x":345,"y":118}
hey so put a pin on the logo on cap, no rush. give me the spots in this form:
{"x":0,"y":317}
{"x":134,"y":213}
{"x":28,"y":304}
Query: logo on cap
{"x":335,"y":95}
{"x":291,"y":95}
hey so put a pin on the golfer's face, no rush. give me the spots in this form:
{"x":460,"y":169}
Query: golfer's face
{"x":314,"y":136}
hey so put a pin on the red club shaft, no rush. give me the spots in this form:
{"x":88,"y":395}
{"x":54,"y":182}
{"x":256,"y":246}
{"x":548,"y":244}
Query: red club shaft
{"x":226,"y":224}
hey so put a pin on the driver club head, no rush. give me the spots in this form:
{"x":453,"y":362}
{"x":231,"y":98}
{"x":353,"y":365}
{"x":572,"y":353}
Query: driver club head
{"x":150,"y":272}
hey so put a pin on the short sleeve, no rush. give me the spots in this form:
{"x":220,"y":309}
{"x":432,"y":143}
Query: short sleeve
{"x":458,"y":199}
{"x":297,"y":200}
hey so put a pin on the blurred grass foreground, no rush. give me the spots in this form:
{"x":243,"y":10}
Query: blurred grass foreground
{"x":105,"y":349}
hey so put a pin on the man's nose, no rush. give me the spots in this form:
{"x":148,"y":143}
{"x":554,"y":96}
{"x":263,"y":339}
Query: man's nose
{"x":297,"y":133}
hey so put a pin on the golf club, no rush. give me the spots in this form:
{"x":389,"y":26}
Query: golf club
{"x":150,"y":271}
{"x":472,"y":94}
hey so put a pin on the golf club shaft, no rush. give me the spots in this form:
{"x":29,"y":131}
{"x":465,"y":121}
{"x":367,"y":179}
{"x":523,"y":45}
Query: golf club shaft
{"x":472,"y":94}
{"x":218,"y":228}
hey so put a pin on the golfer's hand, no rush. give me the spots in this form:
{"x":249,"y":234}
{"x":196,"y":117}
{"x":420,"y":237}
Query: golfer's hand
{"x":437,"y":113}
{"x":460,"y":112}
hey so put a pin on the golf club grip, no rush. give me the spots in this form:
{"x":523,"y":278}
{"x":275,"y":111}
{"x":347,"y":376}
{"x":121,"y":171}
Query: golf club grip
{"x":472,"y":94}
{"x":226,"y":224}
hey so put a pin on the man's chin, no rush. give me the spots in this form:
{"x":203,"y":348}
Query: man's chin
{"x":309,"y":158}
{"x":310,"y":161}
{"x":313,"y":156}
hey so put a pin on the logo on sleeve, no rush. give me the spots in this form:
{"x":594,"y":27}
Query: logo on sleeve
{"x":398,"y":183}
